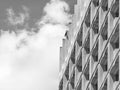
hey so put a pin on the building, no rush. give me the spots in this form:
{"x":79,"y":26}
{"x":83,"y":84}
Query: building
{"x":89,"y":57}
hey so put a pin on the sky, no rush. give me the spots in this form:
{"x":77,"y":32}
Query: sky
{"x":31,"y":33}
{"x":35,"y":6}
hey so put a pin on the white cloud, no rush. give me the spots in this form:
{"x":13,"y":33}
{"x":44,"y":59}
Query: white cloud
{"x":31,"y":61}
{"x":19,"y":19}
{"x":55,"y":12}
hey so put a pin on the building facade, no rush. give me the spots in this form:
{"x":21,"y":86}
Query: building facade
{"x":89,"y":56}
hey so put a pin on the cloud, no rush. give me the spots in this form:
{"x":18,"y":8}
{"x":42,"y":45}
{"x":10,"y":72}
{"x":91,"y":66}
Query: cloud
{"x":19,"y":19}
{"x":56,"y":12}
{"x":29,"y":60}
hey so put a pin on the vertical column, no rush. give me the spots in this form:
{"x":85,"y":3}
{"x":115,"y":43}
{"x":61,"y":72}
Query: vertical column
{"x":113,"y":30}
{"x":86,"y":50}
{"x":85,"y":77}
{"x":78,"y":68}
{"x":103,"y":68}
{"x":102,"y":12}
{"x":94,"y":6}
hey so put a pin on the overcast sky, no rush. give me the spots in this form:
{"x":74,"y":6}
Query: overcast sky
{"x":30,"y":37}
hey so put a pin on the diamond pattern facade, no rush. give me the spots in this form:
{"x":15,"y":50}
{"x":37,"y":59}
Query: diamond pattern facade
{"x":90,"y":56}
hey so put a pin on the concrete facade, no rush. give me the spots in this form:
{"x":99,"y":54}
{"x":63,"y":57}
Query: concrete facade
{"x":89,"y":57}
